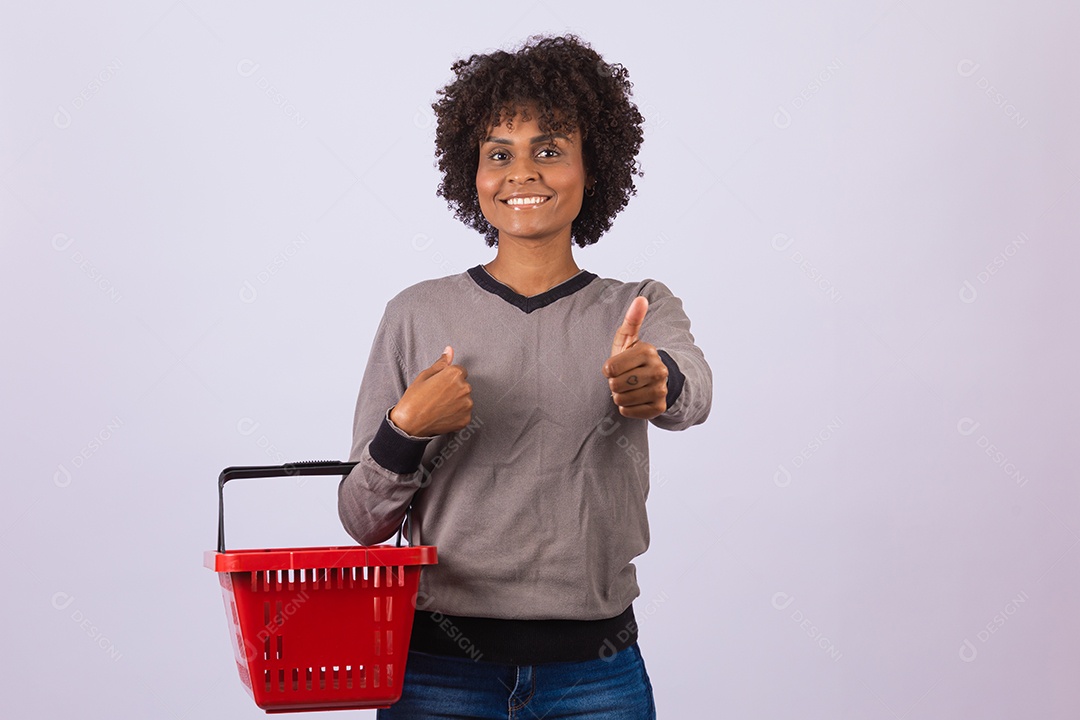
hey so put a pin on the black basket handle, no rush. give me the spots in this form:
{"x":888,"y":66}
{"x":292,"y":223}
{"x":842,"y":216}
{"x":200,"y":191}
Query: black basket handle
{"x":307,"y":467}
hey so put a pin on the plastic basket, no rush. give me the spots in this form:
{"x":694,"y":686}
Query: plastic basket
{"x":319,"y":628}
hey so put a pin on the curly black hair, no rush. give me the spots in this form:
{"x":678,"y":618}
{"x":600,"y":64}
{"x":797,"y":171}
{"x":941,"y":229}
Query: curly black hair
{"x":573,"y":88}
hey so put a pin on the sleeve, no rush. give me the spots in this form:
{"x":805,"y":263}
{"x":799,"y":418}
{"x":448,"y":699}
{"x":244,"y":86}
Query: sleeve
{"x":373,"y":498}
{"x":667,"y":327}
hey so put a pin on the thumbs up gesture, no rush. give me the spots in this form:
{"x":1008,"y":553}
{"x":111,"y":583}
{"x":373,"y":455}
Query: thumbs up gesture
{"x":438,"y":401}
{"x":636,"y":374}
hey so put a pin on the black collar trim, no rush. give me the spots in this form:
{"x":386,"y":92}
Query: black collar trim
{"x":528,"y":304}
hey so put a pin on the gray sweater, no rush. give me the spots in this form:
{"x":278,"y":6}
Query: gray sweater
{"x":538,"y":505}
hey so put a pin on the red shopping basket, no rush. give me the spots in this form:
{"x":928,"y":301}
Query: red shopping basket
{"x":318,"y":628}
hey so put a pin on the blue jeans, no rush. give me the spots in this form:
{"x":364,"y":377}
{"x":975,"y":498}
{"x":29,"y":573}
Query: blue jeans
{"x":442,"y":688}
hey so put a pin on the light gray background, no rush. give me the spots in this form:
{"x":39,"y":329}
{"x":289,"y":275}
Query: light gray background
{"x":869,"y":209}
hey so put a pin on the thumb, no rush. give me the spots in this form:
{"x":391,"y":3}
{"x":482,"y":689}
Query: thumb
{"x":444,"y":360}
{"x":627,"y":334}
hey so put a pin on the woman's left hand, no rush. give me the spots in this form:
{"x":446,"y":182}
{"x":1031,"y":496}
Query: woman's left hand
{"x":638,"y":380}
{"x":636,"y":374}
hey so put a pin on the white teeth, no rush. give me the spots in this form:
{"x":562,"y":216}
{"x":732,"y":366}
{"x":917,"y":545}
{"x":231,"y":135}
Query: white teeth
{"x":526,"y":201}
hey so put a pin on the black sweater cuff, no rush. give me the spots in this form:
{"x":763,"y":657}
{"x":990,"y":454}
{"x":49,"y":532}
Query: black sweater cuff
{"x":396,"y":452}
{"x":675,"y":378}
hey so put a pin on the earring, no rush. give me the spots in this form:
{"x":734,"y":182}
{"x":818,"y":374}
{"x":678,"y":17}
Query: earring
{"x":590,"y":191}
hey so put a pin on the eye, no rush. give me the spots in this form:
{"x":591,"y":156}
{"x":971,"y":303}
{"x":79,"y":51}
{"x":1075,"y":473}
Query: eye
{"x":497,"y":155}
{"x":551,"y":149}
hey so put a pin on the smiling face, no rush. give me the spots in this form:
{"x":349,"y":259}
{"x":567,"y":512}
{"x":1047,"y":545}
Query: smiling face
{"x":530,"y":183}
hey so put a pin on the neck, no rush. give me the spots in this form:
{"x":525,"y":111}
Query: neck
{"x":531,"y":268}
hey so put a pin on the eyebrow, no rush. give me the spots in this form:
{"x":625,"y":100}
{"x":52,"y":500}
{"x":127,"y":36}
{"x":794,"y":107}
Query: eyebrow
{"x":535,"y":140}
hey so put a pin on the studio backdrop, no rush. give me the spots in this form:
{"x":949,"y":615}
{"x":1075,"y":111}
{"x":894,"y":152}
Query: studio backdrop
{"x":870,"y":212}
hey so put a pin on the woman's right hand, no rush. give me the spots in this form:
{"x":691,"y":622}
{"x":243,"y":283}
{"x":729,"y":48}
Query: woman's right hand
{"x":438,"y":401}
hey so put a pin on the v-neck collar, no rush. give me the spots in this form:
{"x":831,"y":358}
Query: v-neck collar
{"x":534,"y":302}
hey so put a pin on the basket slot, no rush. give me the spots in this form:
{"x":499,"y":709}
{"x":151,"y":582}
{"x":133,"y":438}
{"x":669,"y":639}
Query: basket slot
{"x":280,"y":622}
{"x":389,"y":646}
{"x":377,"y":647}
{"x":390,"y":675}
{"x":266,"y":624}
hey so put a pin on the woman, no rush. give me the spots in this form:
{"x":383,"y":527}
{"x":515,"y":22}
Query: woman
{"x":522,"y":449}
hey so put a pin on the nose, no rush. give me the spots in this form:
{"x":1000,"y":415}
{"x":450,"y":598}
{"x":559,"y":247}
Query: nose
{"x":522,"y":170}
